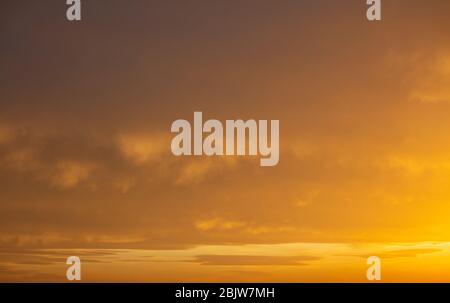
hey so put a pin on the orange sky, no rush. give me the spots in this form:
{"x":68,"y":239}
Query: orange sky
{"x":85,"y":161}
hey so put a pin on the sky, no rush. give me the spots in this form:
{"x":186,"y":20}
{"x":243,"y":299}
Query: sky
{"x":85,"y":161}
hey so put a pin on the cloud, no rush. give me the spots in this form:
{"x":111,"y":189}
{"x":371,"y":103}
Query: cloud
{"x":197,"y":170}
{"x":33,"y":154}
{"x":218,"y":223}
{"x":194,"y":172}
{"x":143,"y":148}
{"x":5,"y":134}
{"x":404,"y":250}
{"x":408,"y":253}
{"x":243,"y":260}
{"x":29,"y":240}
{"x":432,"y":84}
{"x":67,"y":174}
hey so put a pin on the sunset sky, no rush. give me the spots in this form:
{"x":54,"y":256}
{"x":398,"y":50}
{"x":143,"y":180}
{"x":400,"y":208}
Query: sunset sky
{"x":85,"y":161}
